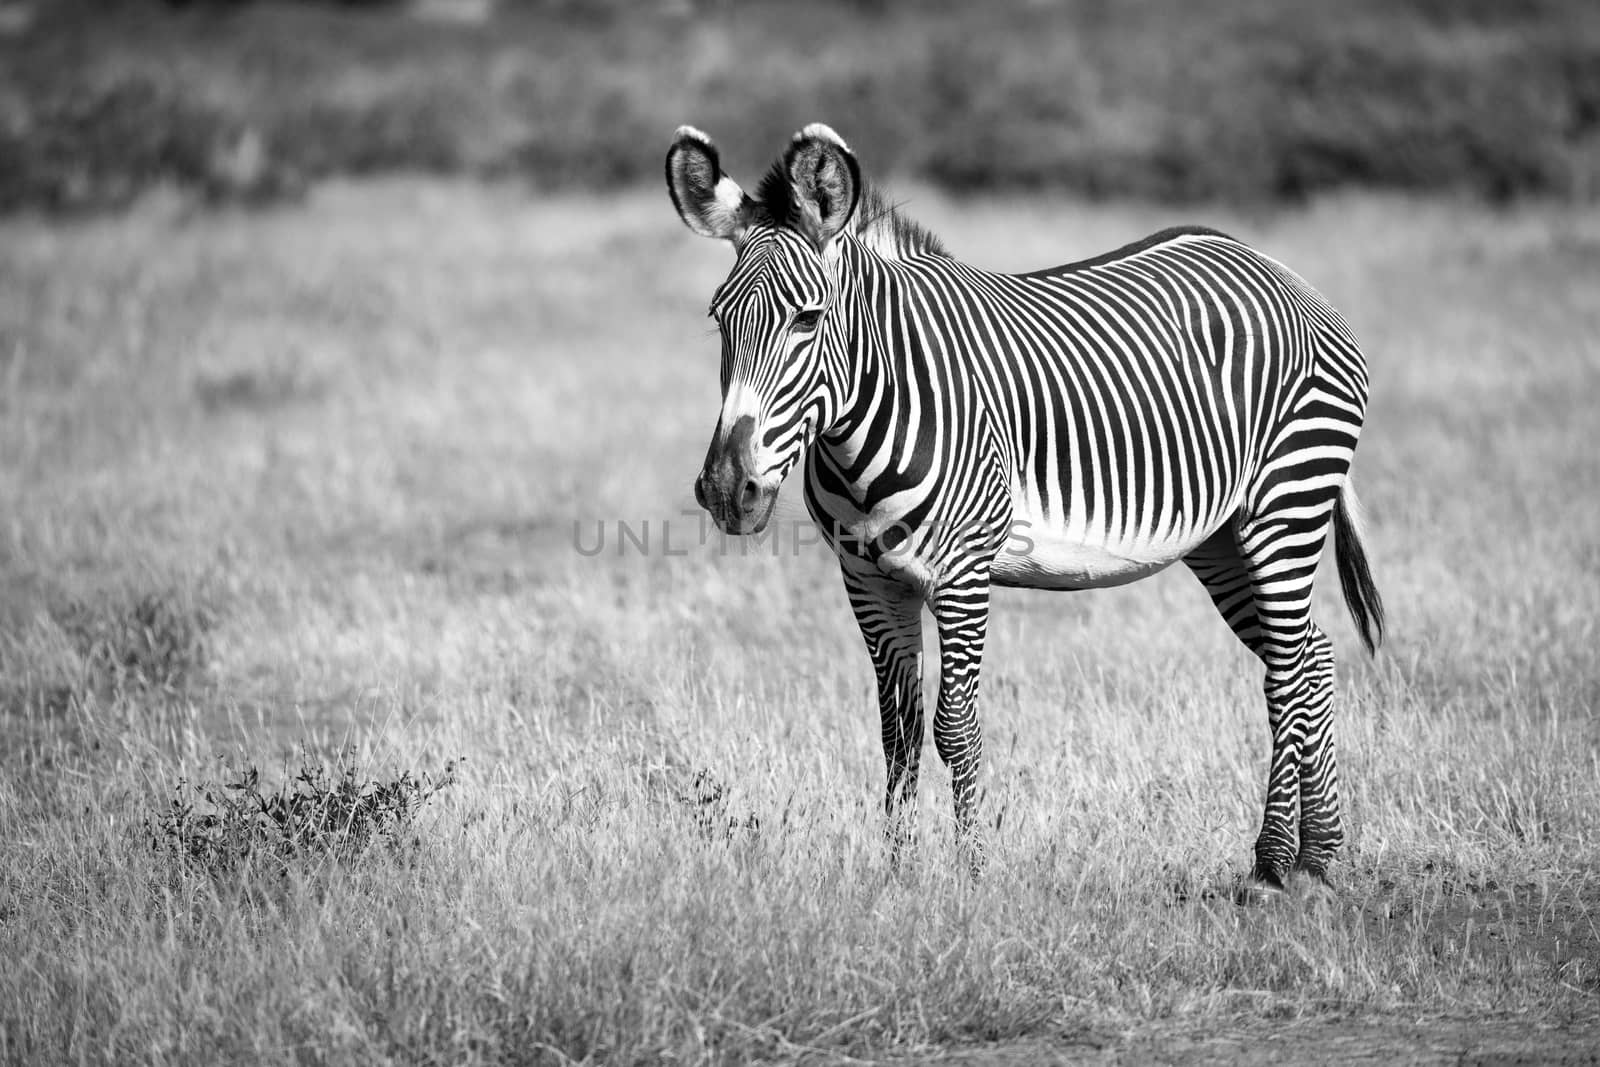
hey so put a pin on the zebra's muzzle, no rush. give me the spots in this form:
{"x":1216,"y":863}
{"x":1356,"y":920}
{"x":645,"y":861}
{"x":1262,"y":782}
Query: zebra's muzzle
{"x":743,"y":507}
{"x":728,"y":487}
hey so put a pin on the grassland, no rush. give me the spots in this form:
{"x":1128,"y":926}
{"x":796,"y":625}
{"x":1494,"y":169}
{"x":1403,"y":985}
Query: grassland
{"x":308,"y":480}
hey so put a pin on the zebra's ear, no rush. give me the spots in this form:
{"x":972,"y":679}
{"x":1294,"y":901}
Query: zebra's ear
{"x":708,"y":201}
{"x":826,"y":182}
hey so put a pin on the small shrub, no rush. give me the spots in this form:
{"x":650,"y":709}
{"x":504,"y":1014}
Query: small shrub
{"x":709,"y":802}
{"x":321,"y":811}
{"x":157,"y":642}
{"x":702,"y":798}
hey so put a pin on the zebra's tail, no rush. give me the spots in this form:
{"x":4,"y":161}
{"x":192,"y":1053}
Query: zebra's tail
{"x":1355,"y":576}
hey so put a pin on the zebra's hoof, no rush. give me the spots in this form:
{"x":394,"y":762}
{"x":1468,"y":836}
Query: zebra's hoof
{"x":1312,"y":872}
{"x":1313,"y":885}
{"x":1257,"y":892}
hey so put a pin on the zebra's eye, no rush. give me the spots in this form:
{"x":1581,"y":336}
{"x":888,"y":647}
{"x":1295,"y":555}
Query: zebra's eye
{"x":807,"y":320}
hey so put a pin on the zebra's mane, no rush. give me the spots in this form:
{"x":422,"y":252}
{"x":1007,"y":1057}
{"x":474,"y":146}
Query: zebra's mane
{"x":880,"y":225}
{"x":878,"y":222}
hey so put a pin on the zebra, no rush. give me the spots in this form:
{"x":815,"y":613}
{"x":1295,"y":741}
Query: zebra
{"x":1181,"y":398}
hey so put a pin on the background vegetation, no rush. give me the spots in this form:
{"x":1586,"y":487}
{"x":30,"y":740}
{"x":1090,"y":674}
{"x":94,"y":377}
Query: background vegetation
{"x":1241,"y":99}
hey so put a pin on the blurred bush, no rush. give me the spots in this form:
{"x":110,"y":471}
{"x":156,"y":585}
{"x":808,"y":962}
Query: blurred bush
{"x":1238,"y":99}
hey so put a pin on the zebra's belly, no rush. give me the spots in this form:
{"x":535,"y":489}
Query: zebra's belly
{"x":1047,"y":556}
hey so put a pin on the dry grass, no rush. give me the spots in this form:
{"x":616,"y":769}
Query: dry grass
{"x":312,"y":478}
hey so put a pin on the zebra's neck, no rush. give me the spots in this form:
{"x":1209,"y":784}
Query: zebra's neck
{"x":878,"y":354}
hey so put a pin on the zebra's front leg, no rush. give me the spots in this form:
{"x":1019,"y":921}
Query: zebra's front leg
{"x":890,"y":616}
{"x":961,"y":610}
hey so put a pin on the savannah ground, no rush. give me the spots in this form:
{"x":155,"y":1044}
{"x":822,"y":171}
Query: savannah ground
{"x":324,"y":478}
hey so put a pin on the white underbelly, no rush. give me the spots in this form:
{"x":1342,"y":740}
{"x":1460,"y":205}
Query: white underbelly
{"x":1048,"y":556}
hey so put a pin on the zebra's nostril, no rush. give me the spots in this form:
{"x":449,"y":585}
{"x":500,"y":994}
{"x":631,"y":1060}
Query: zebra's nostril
{"x":749,"y":495}
{"x":700,"y":491}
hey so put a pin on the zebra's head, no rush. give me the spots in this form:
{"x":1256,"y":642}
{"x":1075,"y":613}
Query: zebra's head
{"x":775,"y":310}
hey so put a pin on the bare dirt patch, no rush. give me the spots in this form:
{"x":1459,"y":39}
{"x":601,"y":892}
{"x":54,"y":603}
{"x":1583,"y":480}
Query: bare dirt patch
{"x":1354,"y":1039}
{"x":1545,"y":924}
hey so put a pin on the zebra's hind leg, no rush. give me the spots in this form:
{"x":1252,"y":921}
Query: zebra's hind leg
{"x":890,"y":617}
{"x":1281,"y":557}
{"x":1321,"y":833}
{"x":1266,"y":602}
{"x":1221,"y":569}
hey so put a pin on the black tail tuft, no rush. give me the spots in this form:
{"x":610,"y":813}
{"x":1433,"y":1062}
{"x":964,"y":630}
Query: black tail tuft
{"x":1355,"y":576}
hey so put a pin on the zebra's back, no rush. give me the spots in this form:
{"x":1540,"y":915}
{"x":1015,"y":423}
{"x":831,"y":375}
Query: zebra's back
{"x":1143,"y":391}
